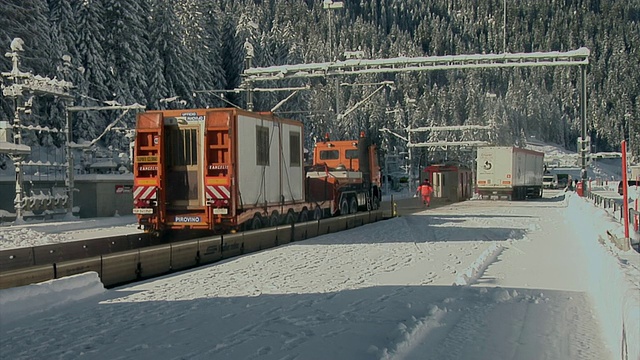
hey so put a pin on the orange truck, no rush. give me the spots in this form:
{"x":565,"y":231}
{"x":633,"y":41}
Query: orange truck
{"x":226,"y":169}
{"x":347,"y":172}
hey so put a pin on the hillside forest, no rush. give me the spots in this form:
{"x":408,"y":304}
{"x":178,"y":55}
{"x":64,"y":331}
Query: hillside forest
{"x":181,"y":54}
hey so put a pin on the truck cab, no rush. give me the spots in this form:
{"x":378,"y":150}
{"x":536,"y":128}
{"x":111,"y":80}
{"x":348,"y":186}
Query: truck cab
{"x":347,"y":172}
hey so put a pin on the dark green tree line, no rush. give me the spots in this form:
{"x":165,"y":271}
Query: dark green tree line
{"x":144,"y":51}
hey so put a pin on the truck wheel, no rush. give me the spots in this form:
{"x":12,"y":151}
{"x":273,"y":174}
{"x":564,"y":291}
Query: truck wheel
{"x":353,"y":206}
{"x":274,"y":219}
{"x":317,"y":213}
{"x":375,"y":204}
{"x":344,"y":207}
{"x":290,"y":219}
{"x":304,"y":216}
{"x":256,"y":222}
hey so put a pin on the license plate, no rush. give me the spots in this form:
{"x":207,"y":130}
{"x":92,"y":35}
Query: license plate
{"x":220,"y":211}
{"x":143,"y":211}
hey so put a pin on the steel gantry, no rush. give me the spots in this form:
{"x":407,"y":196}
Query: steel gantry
{"x":579,"y":57}
{"x":421,"y":63}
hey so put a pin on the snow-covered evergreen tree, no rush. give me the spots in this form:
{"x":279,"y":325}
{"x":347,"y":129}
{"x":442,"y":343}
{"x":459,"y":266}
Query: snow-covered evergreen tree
{"x":90,"y":42}
{"x":167,"y":39}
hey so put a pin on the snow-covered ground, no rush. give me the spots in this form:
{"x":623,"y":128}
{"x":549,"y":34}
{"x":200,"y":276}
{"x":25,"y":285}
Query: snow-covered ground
{"x":34,"y":233}
{"x":473,"y":280}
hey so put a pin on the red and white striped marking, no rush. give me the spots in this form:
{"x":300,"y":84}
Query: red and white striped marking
{"x":145,"y":193}
{"x":218,"y":192}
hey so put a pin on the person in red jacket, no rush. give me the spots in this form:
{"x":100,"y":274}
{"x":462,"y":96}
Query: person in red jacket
{"x":425,"y":190}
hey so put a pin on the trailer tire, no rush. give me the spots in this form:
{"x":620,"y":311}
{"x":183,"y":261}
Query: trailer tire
{"x":353,"y":205}
{"x":304,"y":216}
{"x":256,"y":222}
{"x":317,"y":213}
{"x":344,"y":206}
{"x":290,"y":219}
{"x":274,"y":219}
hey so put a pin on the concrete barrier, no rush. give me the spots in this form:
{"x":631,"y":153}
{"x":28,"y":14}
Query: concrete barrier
{"x":73,"y":267}
{"x":119,"y":243}
{"x":120,"y":268}
{"x":331,"y":225}
{"x":363,"y":217}
{"x":117,"y":261}
{"x":305,"y":230}
{"x":184,"y":255}
{"x":209,"y":250}
{"x":95,"y":247}
{"x":353,"y":220}
{"x":232,"y":245}
{"x":13,"y":259}
{"x":155,"y":260}
{"x":49,"y":254}
{"x":141,"y":240}
{"x":256,"y":240}
{"x":26,"y":276}
{"x":284,"y":234}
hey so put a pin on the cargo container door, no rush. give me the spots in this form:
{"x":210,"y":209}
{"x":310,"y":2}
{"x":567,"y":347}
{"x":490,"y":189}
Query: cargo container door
{"x":218,"y":159}
{"x":147,"y":197}
{"x":182,"y":165}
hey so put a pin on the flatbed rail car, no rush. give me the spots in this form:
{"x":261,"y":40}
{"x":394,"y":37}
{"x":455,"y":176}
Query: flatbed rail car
{"x":224,"y":170}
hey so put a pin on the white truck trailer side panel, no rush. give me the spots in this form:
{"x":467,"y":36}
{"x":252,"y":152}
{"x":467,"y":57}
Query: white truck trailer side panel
{"x":519,"y":168}
{"x":279,"y":180}
{"x":537,"y":173}
{"x":292,"y":171}
{"x":494,"y":164}
{"x":529,"y":168}
{"x":257,"y":184}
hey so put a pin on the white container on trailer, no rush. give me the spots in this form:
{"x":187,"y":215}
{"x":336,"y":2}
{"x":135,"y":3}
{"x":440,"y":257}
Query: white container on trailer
{"x":509,"y":171}
{"x":265,"y":173}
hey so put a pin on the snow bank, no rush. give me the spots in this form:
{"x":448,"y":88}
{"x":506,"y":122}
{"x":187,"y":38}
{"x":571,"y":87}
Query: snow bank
{"x":409,"y":333}
{"x":475,"y":270}
{"x":25,"y":300}
{"x":614,"y":281}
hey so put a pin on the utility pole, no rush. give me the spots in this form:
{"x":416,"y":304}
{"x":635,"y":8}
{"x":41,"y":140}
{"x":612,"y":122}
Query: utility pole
{"x":249,"y":53}
{"x":504,"y":27}
{"x":330,"y":5}
{"x":26,"y":83}
{"x":585,"y":144}
{"x":70,"y":170}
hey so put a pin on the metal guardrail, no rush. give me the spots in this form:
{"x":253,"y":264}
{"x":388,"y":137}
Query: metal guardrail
{"x":634,"y":219}
{"x":617,"y":206}
{"x":618,"y":213}
{"x":606,"y":203}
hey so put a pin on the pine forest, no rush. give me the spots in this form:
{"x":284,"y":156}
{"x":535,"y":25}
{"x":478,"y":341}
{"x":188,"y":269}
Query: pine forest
{"x":181,"y":54}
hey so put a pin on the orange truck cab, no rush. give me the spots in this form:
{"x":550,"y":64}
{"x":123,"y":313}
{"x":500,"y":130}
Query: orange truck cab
{"x":351,"y":167}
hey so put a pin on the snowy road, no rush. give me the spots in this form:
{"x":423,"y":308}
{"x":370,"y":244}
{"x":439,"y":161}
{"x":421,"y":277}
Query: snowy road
{"x":382,"y":291}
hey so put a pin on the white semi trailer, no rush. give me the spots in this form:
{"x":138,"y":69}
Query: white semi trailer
{"x":508,"y":171}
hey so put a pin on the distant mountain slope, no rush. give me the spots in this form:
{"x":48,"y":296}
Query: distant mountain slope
{"x":560,"y":160}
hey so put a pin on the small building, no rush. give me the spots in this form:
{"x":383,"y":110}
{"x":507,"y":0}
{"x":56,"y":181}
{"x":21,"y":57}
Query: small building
{"x":104,"y":167}
{"x":450,"y":182}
